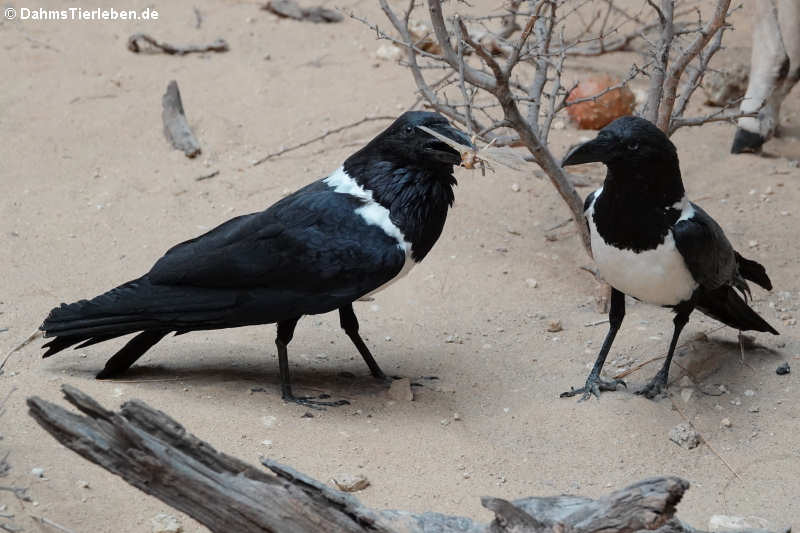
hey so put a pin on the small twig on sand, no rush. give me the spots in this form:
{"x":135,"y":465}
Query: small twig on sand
{"x":596,"y":322}
{"x":559,"y":225}
{"x":47,"y":522}
{"x":198,"y":18}
{"x":742,"y":338}
{"x":319,"y":138}
{"x":35,"y":335}
{"x":220,"y":45}
{"x":705,"y":441}
{"x":207,"y":176}
{"x":176,"y":128}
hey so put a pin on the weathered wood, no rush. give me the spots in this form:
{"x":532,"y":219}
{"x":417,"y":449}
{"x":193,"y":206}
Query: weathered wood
{"x":154,"y":453}
{"x":176,"y":127}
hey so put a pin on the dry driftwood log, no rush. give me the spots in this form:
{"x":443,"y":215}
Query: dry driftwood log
{"x":176,"y":128}
{"x":154,"y":453}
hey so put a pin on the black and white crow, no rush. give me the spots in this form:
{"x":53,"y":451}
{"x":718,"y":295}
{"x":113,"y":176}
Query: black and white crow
{"x":317,"y":250}
{"x":650,"y":242}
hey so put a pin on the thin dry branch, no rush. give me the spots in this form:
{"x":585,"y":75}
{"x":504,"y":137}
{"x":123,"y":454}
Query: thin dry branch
{"x":135,"y":46}
{"x":320,"y":137}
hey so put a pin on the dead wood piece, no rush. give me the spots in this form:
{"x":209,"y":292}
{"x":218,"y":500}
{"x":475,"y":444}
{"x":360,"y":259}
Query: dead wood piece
{"x":290,"y":9}
{"x":135,"y":45}
{"x":154,"y":453}
{"x":176,"y":128}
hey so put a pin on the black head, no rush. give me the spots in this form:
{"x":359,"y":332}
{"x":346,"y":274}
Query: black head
{"x":628,"y":143}
{"x":404,"y":143}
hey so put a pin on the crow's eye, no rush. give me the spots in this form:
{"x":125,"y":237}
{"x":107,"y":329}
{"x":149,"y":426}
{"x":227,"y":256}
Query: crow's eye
{"x":409,"y":130}
{"x":633,"y":146}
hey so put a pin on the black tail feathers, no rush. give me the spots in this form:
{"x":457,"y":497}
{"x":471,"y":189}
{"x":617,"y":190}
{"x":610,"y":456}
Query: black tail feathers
{"x":755,"y":272}
{"x":725,"y":304}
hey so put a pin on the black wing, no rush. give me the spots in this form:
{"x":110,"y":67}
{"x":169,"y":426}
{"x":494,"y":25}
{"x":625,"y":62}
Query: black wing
{"x":706,"y":250}
{"x":311,"y":242}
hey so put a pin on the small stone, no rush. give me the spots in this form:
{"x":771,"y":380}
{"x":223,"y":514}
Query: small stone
{"x":685,"y":436}
{"x":38,"y":472}
{"x":532,"y":283}
{"x":456,"y":417}
{"x":83,"y":484}
{"x":783,"y":369}
{"x":307,"y":414}
{"x":269,"y":421}
{"x":722,"y":389}
{"x":753,"y":409}
{"x":749,"y":392}
{"x":389,"y":52}
{"x":454,"y":339}
{"x":725,"y":422}
{"x":686,"y":381}
{"x":686,"y":394}
{"x":165,"y":523}
{"x":515,"y":187}
{"x":554,"y":326}
{"x":444,"y":422}
{"x":736,"y":401}
{"x":719,"y":523}
{"x":350,"y":482}
{"x":267,"y":443}
{"x":466,"y":475}
{"x":400,"y":390}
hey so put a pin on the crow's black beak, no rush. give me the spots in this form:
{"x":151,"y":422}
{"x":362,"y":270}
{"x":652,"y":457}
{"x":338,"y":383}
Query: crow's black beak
{"x":596,"y":150}
{"x":444,"y":152}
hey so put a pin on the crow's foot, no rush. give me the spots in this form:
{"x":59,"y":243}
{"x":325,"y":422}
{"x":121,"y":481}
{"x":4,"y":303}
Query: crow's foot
{"x":655,"y":387}
{"x":594,"y":385}
{"x":314,"y":402}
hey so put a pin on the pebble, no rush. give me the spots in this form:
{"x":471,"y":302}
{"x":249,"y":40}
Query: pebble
{"x":783,"y":369}
{"x":718,"y":523}
{"x":454,"y":339}
{"x":749,"y":392}
{"x":400,"y":390}
{"x":456,"y":417}
{"x":515,"y":187}
{"x":269,"y":421}
{"x":532,"y":283}
{"x":83,"y":484}
{"x":554,"y":326}
{"x":686,"y":381}
{"x":350,"y":482}
{"x":38,"y":472}
{"x":725,"y":422}
{"x":165,"y":523}
{"x":686,"y":394}
{"x":685,"y":436}
{"x":753,"y":409}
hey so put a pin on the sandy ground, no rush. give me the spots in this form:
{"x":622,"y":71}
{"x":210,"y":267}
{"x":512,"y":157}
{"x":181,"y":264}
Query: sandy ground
{"x":92,"y":195}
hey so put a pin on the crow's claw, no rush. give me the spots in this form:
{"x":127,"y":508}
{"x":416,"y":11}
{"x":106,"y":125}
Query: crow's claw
{"x":594,"y":385}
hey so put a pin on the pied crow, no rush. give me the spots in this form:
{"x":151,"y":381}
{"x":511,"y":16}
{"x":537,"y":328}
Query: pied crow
{"x":650,"y":242}
{"x":317,"y":250}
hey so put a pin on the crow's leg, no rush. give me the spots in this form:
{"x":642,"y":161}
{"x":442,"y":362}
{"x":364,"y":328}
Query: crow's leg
{"x":595,"y":383}
{"x":128,"y":354}
{"x":659,"y":381}
{"x":285,"y":334}
{"x":349,"y":323}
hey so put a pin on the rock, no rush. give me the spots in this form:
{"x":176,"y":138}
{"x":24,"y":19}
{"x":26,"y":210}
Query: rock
{"x":749,"y":392}
{"x":515,"y":187}
{"x":720,"y":523}
{"x":685,"y":436}
{"x":686,"y":381}
{"x":686,"y":394}
{"x":269,"y":421}
{"x":722,"y":87}
{"x":400,"y":390}
{"x":454,"y":339}
{"x":165,"y":523}
{"x":783,"y":369}
{"x":554,"y":326}
{"x":532,"y":283}
{"x":725,"y":422}
{"x":350,"y":482}
{"x":389,"y":52}
{"x":37,"y":472}
{"x":594,"y":114}
{"x":753,"y":409}
{"x":456,"y":417}
{"x":83,"y":484}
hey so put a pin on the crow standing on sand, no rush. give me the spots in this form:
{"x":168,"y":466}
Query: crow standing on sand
{"x":317,"y":250}
{"x":650,"y":242}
